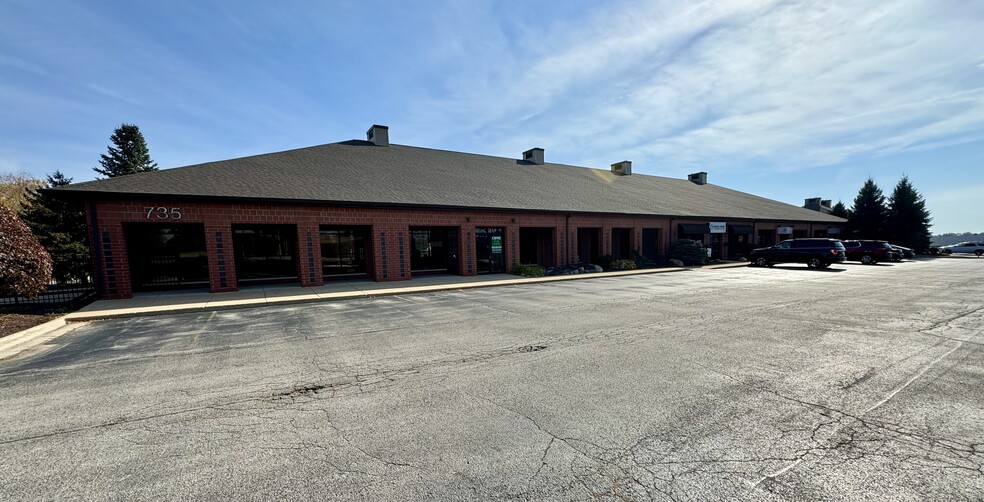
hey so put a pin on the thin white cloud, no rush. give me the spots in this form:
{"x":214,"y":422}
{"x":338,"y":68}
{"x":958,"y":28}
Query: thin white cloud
{"x":23,"y":65}
{"x":110,"y":93}
{"x":789,"y":85}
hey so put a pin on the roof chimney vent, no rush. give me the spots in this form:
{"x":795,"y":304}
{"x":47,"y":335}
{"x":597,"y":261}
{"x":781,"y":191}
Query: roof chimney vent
{"x":818,"y":204}
{"x":623,"y":168}
{"x":378,"y":135}
{"x":534,"y":156}
{"x":698,"y":178}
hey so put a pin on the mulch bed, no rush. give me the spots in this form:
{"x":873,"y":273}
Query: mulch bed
{"x":12,"y":323}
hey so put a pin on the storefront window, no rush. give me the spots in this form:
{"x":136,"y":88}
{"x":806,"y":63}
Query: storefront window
{"x":265,"y":252}
{"x":433,"y":250}
{"x":489,"y":250}
{"x":164,"y":257}
{"x":343,"y":251}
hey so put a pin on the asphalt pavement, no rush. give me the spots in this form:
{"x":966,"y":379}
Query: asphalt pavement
{"x":859,"y":382}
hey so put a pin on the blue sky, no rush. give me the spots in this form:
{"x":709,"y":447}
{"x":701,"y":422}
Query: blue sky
{"x":786,"y":100}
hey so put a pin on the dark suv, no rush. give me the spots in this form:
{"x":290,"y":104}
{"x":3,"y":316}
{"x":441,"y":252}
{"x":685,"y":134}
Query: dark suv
{"x":815,"y":253}
{"x":868,"y":252}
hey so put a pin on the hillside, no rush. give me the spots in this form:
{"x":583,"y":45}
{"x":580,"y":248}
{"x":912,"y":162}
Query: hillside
{"x":947,"y":239}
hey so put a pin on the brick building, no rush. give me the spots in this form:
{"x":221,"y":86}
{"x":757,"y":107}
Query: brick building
{"x":389,"y":212}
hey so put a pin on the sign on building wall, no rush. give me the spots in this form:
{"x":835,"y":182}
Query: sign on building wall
{"x":785,"y":230}
{"x":718,"y":227}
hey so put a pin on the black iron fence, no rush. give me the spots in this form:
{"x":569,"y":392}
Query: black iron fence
{"x":57,"y":297}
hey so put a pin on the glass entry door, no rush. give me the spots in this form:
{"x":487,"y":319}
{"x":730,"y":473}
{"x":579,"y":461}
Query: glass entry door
{"x":433,"y":249}
{"x":343,"y":251}
{"x":489,"y":255}
{"x":265,"y":252}
{"x":166,"y":256}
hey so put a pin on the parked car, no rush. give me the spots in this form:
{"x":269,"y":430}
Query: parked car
{"x":900,"y":253}
{"x":906,"y":252}
{"x":815,"y":253}
{"x":976,"y":248}
{"x":868,"y":252}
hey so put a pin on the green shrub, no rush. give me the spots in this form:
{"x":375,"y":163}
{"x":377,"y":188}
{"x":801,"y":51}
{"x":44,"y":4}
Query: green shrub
{"x":690,"y":252}
{"x":528,"y":270}
{"x":623,"y":265}
{"x":641,"y":261}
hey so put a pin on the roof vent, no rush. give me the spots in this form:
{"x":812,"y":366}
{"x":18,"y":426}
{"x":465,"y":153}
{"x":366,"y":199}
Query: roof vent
{"x":534,"y":156}
{"x":698,"y":178}
{"x":623,"y":168}
{"x":378,"y":135}
{"x":818,"y":204}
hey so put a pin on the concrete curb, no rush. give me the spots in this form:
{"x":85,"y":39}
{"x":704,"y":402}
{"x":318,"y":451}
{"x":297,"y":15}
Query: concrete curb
{"x":217,"y":305}
{"x":17,"y":343}
{"x":23,"y":341}
{"x":314,"y":297}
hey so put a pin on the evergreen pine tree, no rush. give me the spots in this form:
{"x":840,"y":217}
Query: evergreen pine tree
{"x":908,"y":220}
{"x":59,"y":226}
{"x":127,"y":155}
{"x":867,"y":217}
{"x":839,"y":210}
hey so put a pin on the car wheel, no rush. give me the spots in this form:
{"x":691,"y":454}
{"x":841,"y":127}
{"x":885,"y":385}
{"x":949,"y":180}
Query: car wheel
{"x":814,"y":263}
{"x":979,"y":252}
{"x":867,"y":259}
{"x":761,"y":261}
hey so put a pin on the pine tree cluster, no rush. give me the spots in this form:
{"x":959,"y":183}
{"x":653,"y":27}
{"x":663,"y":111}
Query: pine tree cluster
{"x":901,"y":219}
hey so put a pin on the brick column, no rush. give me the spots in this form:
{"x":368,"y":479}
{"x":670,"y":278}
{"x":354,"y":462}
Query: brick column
{"x":309,"y":255}
{"x":572,"y":245}
{"x":221,"y":258}
{"x":390,"y":253}
{"x":560,"y":246}
{"x":114,"y":269}
{"x":511,"y":245}
{"x":467,"y":262}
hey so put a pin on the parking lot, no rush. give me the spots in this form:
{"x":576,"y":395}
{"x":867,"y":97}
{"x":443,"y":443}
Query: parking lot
{"x":745,"y":383}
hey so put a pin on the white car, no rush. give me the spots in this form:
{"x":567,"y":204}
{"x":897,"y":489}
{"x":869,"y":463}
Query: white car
{"x":976,"y":248}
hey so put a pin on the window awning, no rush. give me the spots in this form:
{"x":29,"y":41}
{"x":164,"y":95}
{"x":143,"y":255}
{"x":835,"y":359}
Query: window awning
{"x":695,"y":228}
{"x":741,"y":229}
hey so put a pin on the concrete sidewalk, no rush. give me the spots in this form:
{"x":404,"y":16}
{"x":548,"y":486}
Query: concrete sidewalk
{"x":173,"y":302}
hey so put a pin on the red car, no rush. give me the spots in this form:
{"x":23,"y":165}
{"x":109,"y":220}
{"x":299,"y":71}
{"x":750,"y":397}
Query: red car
{"x":868,"y":252}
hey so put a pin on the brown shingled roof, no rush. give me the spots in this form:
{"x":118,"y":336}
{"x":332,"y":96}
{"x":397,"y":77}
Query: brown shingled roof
{"x":360,"y":172}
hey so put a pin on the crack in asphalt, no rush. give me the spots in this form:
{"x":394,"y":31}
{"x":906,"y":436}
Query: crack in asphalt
{"x":362,"y":382}
{"x":645,"y":469}
{"x":851,"y":435}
